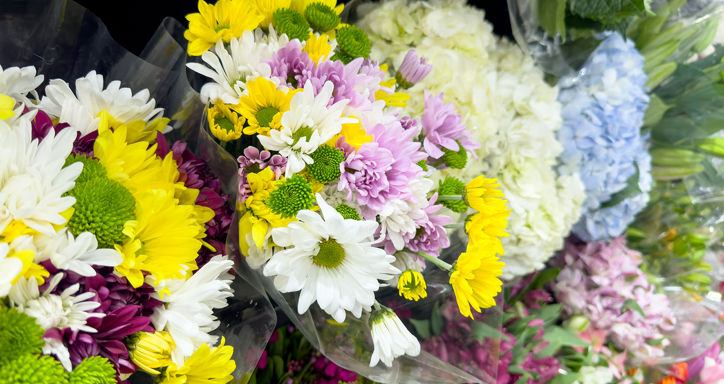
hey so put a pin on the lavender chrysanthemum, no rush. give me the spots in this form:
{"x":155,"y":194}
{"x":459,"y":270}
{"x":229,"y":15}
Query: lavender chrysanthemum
{"x":291,"y":65}
{"x":349,"y":83}
{"x":443,"y":127}
{"x":412,"y":70}
{"x":431,"y":236}
{"x":603,"y":111}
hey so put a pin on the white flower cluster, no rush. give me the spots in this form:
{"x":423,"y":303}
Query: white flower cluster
{"x":504,"y":100}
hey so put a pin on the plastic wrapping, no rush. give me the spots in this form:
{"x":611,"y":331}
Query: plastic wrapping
{"x":63,"y":40}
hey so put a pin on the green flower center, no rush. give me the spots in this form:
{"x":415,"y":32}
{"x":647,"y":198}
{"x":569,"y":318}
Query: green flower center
{"x":455,"y":159}
{"x":321,"y":17}
{"x":303,"y":132}
{"x":291,"y":196}
{"x":348,"y":212}
{"x":92,"y":168}
{"x":330,"y":254}
{"x":352,"y":43}
{"x":34,"y":369}
{"x":220,"y":28}
{"x":326,"y":164}
{"x":224,"y":123}
{"x":266,"y":115}
{"x":291,"y":23}
{"x":94,"y":369}
{"x":452,"y":186}
{"x":102,"y":207}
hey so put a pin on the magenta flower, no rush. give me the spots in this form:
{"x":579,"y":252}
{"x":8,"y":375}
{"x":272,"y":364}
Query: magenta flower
{"x":348,"y":80}
{"x":291,"y":65}
{"x":254,"y":161}
{"x":413,"y":69}
{"x":442,"y":127}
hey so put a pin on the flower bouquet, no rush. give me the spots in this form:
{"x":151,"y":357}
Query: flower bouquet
{"x":337,"y":194}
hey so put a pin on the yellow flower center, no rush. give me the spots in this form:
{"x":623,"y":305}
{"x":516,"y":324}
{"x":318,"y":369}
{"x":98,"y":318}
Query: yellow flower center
{"x":330,"y":254}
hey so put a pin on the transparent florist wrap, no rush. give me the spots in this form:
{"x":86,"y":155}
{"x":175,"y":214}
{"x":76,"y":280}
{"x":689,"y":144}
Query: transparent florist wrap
{"x":339,"y":197}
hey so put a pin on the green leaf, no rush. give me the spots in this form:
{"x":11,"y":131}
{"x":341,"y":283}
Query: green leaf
{"x":563,"y":336}
{"x":655,"y":341}
{"x":632,"y":305}
{"x":437,"y":323}
{"x":279,"y":366}
{"x":631,"y":189}
{"x":481,"y":331}
{"x":551,"y":14}
{"x":608,"y":11}
{"x":565,"y":379}
{"x":422,"y":327}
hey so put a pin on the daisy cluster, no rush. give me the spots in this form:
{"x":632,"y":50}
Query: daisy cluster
{"x":107,"y":235}
{"x":505,"y":104}
{"x":603,"y":112}
{"x":336,"y":193}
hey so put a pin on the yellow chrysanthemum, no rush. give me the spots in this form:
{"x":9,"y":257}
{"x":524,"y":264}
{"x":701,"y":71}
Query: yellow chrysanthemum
{"x":205,"y":365}
{"x":164,"y":240}
{"x":224,"y":20}
{"x":268,"y":7}
{"x":481,"y":226}
{"x":301,"y":5}
{"x":395,"y":99}
{"x":225,"y":123}
{"x":257,"y":218}
{"x":30,"y":269}
{"x":474,"y":278}
{"x":263,"y":106}
{"x":353,"y":134}
{"x":138,"y":130}
{"x":412,"y":285}
{"x":152,"y":350}
{"x":15,"y":229}
{"x":481,"y":192}
{"x":317,"y":47}
{"x":6,"y":107}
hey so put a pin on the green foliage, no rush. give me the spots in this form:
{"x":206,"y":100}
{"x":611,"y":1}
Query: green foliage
{"x":19,"y":335}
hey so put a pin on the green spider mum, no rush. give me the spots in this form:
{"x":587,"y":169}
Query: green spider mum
{"x":94,"y":369}
{"x":326,"y":164}
{"x":291,"y":23}
{"x":321,"y":17}
{"x":291,"y":196}
{"x":452,"y":186}
{"x":31,"y":369}
{"x":348,"y":212}
{"x":19,"y":335}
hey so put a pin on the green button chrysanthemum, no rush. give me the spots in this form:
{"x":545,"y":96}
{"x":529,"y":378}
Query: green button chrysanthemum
{"x":348,"y":212}
{"x":92,"y":168}
{"x":102,"y":207}
{"x":455,"y":159}
{"x":321,"y":17}
{"x":31,"y":369}
{"x":291,"y":196}
{"x":352,"y":43}
{"x":95,"y":369}
{"x":19,"y":335}
{"x":326,"y":164}
{"x":452,"y":186}
{"x":291,"y":23}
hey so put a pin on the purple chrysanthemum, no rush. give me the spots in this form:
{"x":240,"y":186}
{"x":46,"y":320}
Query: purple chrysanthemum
{"x":290,"y":64}
{"x":413,"y":69}
{"x":443,"y":127}
{"x":347,"y":80}
{"x":431,"y":236}
{"x":364,"y":175}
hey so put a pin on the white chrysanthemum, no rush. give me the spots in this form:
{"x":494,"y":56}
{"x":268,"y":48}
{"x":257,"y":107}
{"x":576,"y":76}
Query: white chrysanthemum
{"x":231,"y":68}
{"x":33,"y":179}
{"x":18,"y":83}
{"x":594,"y":375}
{"x":49,"y":310}
{"x":187,"y":313}
{"x":75,"y":253}
{"x":256,"y":257}
{"x":81,"y":109}
{"x":334,"y":197}
{"x":504,"y":102}
{"x":391,"y":338}
{"x":10,"y":267}
{"x":309,"y":123}
{"x":56,"y":347}
{"x":330,"y":260}
{"x":397,"y":218}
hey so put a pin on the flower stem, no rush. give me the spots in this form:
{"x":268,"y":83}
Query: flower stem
{"x":449,"y":197}
{"x":439,"y":263}
{"x":377,"y":305}
{"x":455,"y":225}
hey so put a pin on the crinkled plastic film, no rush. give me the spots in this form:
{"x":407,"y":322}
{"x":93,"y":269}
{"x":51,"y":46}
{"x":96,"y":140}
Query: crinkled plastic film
{"x":64,"y":40}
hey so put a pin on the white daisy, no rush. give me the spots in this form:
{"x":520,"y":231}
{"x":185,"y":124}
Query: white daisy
{"x":231,"y":68}
{"x":390,"y":338}
{"x":75,"y":253}
{"x":256,"y":257}
{"x":397,"y":218}
{"x":10,"y":267}
{"x":66,"y":310}
{"x":33,"y":179}
{"x":19,"y":82}
{"x":188,"y":310}
{"x":330,"y":260}
{"x":309,"y":123}
{"x":81,"y":109}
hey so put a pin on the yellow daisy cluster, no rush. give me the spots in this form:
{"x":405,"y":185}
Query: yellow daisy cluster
{"x":152,"y":351}
{"x":168,"y":230}
{"x":256,"y":216}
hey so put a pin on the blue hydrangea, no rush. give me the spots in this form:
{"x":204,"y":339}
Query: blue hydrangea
{"x":603,"y":111}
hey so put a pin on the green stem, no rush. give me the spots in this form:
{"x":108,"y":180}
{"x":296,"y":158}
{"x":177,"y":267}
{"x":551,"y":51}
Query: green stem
{"x":456,"y":225}
{"x":377,"y":305}
{"x":449,"y":197}
{"x":439,"y":263}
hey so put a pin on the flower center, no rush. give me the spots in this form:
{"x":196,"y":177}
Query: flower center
{"x":266,"y":115}
{"x":330,"y":254}
{"x":224,"y":123}
{"x":220,"y":28}
{"x":303,"y":132}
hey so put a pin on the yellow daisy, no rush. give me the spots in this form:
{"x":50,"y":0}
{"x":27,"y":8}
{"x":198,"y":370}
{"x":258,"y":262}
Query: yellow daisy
{"x":257,"y":218}
{"x":205,"y":365}
{"x":412,"y":285}
{"x":152,"y":350}
{"x":395,"y":99}
{"x":301,"y":5}
{"x":224,"y":20}
{"x":474,"y":278}
{"x":268,"y":7}
{"x":6,"y":107}
{"x":317,"y":47}
{"x":225,"y":123}
{"x":30,"y":268}
{"x":264,"y":106}
{"x":480,"y":192}
{"x":481,"y":226}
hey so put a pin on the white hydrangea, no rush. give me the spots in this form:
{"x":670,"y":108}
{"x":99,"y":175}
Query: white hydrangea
{"x":504,"y":101}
